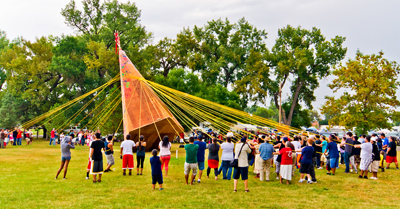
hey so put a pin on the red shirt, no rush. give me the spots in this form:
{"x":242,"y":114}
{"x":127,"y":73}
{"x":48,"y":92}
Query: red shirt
{"x":52,"y":134}
{"x":19,"y":134}
{"x":286,"y":156}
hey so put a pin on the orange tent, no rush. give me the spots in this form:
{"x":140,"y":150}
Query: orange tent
{"x":143,"y":111}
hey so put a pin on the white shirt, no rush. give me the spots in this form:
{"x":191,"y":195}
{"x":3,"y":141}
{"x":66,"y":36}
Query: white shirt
{"x":165,"y":150}
{"x":366,"y":151}
{"x":297,"y":145}
{"x":127,"y":146}
{"x":227,"y":151}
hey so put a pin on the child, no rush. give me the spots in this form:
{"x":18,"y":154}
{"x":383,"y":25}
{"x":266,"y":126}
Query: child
{"x":156,"y":172}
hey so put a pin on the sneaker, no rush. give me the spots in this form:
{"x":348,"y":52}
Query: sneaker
{"x":351,"y":170}
{"x":301,"y":180}
{"x":314,"y":182}
{"x":356,"y":171}
{"x":161,"y":189}
{"x":277,"y":178}
{"x":320,"y":168}
{"x":105,"y":171}
{"x":383,"y":170}
{"x":328,"y":174}
{"x":360,"y":177}
{"x":198,"y":181}
{"x":87,"y":178}
{"x":374,"y":178}
{"x":309,"y":182}
{"x":397,"y":168}
{"x":365,"y":177}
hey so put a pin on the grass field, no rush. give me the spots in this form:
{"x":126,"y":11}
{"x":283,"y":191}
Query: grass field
{"x":27,"y":181}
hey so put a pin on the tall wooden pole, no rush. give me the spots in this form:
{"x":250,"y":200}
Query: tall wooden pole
{"x":280,"y":103}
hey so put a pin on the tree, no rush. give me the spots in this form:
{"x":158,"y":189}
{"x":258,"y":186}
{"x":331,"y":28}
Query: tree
{"x":369,"y":100}
{"x":97,"y":24}
{"x":305,"y":57}
{"x":219,"y":50}
{"x":4,"y":44}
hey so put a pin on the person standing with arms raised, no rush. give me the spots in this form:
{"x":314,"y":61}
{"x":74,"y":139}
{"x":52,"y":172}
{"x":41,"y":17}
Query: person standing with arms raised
{"x":242,"y":169}
{"x":109,"y":152}
{"x":201,"y":152}
{"x":165,"y":153}
{"x":140,"y":154}
{"x":266,"y":149}
{"x":126,"y":154}
{"x":97,"y":158}
{"x":191,"y":160}
{"x":66,"y":145}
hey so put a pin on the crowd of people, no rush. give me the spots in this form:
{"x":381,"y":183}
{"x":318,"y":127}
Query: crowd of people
{"x":360,"y":154}
{"x":15,"y":137}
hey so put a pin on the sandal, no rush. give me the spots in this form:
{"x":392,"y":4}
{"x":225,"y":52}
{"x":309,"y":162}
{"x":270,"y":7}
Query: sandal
{"x":234,"y":190}
{"x":246,"y":191}
{"x":94,"y":181}
{"x":99,"y":180}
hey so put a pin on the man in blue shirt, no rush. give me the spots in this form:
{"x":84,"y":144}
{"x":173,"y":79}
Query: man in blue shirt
{"x":333,"y":153}
{"x":200,"y":155}
{"x":266,"y":149}
{"x":385,"y":143}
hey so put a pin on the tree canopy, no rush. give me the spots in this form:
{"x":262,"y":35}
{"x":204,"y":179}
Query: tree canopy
{"x":369,"y":101}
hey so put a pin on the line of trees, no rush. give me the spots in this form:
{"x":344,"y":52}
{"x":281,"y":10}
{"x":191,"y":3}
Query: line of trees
{"x":221,"y":61}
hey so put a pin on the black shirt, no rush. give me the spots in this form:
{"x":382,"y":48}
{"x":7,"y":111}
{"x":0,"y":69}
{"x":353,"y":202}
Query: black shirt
{"x":318,"y":148}
{"x":97,"y":146}
{"x":279,"y":158}
{"x":356,"y":151}
{"x":313,"y":145}
{"x":393,"y":151}
{"x":375,"y":151}
{"x":15,"y":134}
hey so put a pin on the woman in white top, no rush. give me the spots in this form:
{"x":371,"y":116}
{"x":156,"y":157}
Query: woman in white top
{"x":226,"y":158}
{"x":165,"y":153}
{"x":297,"y":146}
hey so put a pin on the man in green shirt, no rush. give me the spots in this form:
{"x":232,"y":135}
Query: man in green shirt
{"x":191,"y":160}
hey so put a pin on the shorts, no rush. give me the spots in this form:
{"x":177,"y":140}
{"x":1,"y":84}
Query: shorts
{"x":357,"y":159}
{"x":27,"y":139}
{"x":157,"y":179}
{"x":322,"y":159}
{"x":277,"y":167}
{"x":305,"y":168}
{"x":190,"y":167}
{"x":241,"y":171}
{"x":365,"y":164}
{"x":201,"y":165}
{"x":334,"y":162}
{"x":375,"y":166}
{"x":97,"y":167}
{"x":110,"y":159}
{"x":127,"y":162}
{"x":65,"y":158}
{"x":391,"y":159}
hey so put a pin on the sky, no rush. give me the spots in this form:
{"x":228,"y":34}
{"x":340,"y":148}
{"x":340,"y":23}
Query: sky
{"x":368,"y":25}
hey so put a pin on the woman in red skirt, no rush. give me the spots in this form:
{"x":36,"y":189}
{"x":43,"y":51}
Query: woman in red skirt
{"x":213,"y":158}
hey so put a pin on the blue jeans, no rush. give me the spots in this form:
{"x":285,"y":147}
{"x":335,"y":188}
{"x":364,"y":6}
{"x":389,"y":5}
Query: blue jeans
{"x":347,"y":161}
{"x":15,"y":141}
{"x":226,"y":166}
{"x":19,"y":140}
{"x":52,"y":140}
{"x":318,"y":156}
{"x":82,"y":141}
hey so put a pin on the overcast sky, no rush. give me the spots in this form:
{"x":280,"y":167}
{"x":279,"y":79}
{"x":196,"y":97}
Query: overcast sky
{"x":369,"y":26}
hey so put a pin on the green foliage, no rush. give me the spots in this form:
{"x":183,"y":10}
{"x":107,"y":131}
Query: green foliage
{"x":304,"y":56}
{"x":369,"y":100}
{"x":301,"y":117}
{"x":220,"y":50}
{"x":271,"y":112}
{"x":190,"y":83}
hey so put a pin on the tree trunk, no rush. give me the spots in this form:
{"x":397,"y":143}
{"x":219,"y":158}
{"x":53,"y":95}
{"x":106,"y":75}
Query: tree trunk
{"x":294,"y":102}
{"x":44,"y":132}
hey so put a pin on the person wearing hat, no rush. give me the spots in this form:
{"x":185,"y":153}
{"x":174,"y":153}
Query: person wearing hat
{"x":66,"y":145}
{"x":241,"y":151}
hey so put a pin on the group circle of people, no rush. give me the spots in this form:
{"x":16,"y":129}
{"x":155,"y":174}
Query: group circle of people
{"x":361,"y":155}
{"x":15,"y":137}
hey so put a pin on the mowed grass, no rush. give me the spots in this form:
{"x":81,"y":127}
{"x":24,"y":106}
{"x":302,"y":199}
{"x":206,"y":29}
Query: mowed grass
{"x":27,"y":181}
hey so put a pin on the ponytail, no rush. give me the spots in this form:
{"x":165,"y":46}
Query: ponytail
{"x":140,"y":143}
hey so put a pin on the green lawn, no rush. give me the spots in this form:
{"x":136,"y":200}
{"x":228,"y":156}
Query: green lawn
{"x":27,"y":181}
